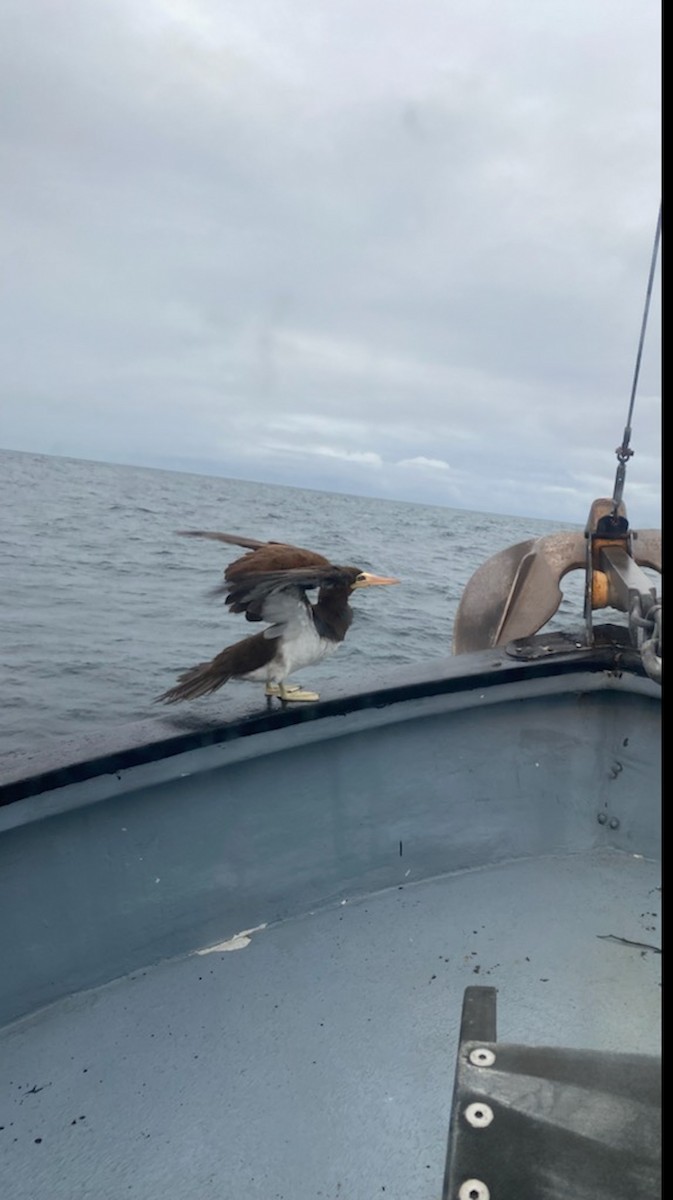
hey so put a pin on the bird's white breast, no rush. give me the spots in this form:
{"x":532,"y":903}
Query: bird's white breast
{"x":303,"y":647}
{"x":300,"y":646}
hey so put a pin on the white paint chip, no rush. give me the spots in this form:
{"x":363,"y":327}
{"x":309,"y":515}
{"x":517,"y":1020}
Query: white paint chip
{"x":238,"y":942}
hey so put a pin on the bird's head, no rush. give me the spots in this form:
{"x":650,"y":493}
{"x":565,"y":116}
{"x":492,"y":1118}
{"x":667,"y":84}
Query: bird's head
{"x":362,"y":579}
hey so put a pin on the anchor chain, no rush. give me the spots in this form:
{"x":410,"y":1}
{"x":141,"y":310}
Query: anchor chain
{"x":646,"y":632}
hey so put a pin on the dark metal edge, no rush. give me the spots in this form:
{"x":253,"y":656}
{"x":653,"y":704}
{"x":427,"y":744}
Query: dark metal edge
{"x":73,"y":760}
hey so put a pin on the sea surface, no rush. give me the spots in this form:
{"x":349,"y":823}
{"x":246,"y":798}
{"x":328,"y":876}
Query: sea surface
{"x":101,"y":604}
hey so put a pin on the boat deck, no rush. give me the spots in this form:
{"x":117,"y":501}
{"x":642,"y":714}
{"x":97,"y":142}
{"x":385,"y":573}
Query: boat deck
{"x":316,"y":1062}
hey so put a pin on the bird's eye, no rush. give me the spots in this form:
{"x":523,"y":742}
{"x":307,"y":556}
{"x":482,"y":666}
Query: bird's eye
{"x":360,"y":578}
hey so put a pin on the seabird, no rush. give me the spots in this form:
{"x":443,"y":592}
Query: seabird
{"x":270,"y":584}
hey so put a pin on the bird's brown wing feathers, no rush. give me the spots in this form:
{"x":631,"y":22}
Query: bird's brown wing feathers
{"x":264,"y":557}
{"x":232,"y":539}
{"x":260,"y":596}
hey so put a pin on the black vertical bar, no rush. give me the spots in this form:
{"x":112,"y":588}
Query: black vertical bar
{"x":478,"y":1019}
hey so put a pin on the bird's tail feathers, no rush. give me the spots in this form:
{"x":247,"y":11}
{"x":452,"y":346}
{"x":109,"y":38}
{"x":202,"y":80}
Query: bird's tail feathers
{"x":201,"y":680}
{"x":234,"y":662}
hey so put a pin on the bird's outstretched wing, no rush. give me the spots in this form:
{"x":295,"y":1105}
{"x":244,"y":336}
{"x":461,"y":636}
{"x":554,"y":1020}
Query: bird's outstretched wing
{"x":264,"y":557}
{"x":232,"y":539}
{"x":279,"y":597}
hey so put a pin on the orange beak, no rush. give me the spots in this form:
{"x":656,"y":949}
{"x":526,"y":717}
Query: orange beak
{"x":364,"y":579}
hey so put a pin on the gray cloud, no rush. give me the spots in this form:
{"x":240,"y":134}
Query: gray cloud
{"x":389,"y":248}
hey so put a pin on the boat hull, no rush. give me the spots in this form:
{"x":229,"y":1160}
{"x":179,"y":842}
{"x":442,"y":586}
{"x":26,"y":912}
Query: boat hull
{"x":240,"y":965}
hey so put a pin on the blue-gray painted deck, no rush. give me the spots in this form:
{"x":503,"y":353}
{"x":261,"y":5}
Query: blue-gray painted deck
{"x":397,"y":852}
{"x":318,"y":1061}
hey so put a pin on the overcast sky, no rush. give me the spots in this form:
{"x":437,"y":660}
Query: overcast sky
{"x":393,"y":247}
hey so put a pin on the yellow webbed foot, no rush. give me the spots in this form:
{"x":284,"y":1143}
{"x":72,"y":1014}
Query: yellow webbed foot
{"x":290,"y":692}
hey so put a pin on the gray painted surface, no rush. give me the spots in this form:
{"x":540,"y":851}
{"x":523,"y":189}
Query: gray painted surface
{"x":389,"y":850}
{"x":318,"y":1061}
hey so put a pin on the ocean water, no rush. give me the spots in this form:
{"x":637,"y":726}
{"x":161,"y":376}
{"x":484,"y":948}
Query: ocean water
{"x":101,"y":605}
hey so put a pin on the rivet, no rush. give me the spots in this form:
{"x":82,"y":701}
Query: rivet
{"x":602,"y":818}
{"x":478,"y":1115}
{"x":473,"y":1189}
{"x":614,"y":823}
{"x":482,"y":1057}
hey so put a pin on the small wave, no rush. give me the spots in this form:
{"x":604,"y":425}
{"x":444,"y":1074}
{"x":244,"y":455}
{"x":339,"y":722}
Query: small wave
{"x":131,"y":508}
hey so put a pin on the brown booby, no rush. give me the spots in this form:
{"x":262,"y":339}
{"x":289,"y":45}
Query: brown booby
{"x":270,"y":584}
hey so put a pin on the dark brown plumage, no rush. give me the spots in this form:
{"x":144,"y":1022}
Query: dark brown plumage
{"x":270,"y":584}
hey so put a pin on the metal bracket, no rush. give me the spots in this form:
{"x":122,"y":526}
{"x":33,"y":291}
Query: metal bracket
{"x":530,"y":1121}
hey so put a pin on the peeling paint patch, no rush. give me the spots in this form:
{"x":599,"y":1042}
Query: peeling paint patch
{"x":238,"y":942}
